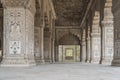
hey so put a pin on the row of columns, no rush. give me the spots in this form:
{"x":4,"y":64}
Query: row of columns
{"x":97,"y":46}
{"x":44,"y":46}
{"x":45,"y":41}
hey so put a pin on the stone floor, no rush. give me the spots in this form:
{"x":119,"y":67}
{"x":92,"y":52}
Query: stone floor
{"x":71,"y":71}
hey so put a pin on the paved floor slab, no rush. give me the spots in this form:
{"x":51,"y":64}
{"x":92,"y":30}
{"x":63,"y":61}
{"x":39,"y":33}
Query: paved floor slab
{"x":71,"y":71}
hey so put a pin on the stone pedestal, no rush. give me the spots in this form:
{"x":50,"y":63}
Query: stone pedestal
{"x":18,"y":34}
{"x":107,"y":31}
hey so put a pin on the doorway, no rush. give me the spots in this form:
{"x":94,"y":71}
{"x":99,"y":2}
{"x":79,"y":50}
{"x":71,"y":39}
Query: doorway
{"x":69,"y":53}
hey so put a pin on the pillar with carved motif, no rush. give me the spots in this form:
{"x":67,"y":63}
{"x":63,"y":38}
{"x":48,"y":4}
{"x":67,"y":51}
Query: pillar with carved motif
{"x":18,"y":32}
{"x":107,"y":32}
{"x":83,"y":58}
{"x":96,"y":39}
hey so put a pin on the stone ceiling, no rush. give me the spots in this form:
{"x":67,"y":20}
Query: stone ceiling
{"x":69,"y":12}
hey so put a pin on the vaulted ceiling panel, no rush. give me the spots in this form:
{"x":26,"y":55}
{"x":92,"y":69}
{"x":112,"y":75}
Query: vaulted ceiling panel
{"x":69,"y":12}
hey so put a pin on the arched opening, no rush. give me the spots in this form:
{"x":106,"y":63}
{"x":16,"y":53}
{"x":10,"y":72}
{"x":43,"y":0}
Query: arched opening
{"x":69,"y":48}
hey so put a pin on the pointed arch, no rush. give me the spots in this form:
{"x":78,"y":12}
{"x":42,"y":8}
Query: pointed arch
{"x":69,"y":39}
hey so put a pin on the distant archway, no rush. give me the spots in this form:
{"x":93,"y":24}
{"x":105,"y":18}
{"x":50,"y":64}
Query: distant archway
{"x":69,"y":48}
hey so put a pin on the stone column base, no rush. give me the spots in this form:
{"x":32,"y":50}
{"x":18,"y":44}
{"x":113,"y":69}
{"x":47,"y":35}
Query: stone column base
{"x":38,"y":61}
{"x":17,"y":62}
{"x":95,"y":61}
{"x":83,"y":61}
{"x":87,"y":61}
{"x":116,"y":62}
{"x":53,"y":61}
{"x":106,"y":61}
{"x":48,"y":61}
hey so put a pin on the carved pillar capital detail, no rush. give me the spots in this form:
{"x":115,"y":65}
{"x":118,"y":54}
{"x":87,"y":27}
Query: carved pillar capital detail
{"x":27,"y":4}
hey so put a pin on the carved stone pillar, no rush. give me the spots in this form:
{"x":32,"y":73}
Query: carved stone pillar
{"x":47,"y":45}
{"x":88,"y":46}
{"x":42,"y":44}
{"x":116,"y":13}
{"x":50,"y":48}
{"x":53,"y":40}
{"x":83,"y":47}
{"x":37,"y":45}
{"x":107,"y":31}
{"x":18,"y":33}
{"x":56,"y":53}
{"x":53,"y":51}
{"x":95,"y":39}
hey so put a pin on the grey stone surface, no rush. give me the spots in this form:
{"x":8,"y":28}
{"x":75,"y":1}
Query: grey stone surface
{"x":69,"y":71}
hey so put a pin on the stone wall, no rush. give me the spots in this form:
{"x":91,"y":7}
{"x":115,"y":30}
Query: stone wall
{"x":18,"y":33}
{"x":116,"y":13}
{"x":1,"y":28}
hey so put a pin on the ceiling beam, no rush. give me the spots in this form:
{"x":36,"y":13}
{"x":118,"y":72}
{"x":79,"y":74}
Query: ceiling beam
{"x":86,"y":13}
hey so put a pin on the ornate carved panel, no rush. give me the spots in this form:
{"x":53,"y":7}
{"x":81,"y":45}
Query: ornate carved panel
{"x":96,"y":47}
{"x":14,"y":22}
{"x":15,"y":47}
{"x":109,"y":41}
{"x":28,"y":4}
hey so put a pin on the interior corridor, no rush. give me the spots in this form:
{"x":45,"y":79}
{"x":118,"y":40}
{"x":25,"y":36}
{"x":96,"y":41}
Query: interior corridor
{"x":59,"y":39}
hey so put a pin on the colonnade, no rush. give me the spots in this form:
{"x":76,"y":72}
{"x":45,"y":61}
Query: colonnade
{"x":99,"y":38}
{"x":29,"y":36}
{"x":27,"y":29}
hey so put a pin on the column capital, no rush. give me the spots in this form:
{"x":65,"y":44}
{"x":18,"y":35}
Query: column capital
{"x":108,"y":3}
{"x":95,"y":34}
{"x":107,"y":23}
{"x":108,"y":10}
{"x":83,"y":41}
{"x":27,"y":4}
{"x":108,"y":15}
{"x":88,"y":39}
{"x":96,"y":20}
